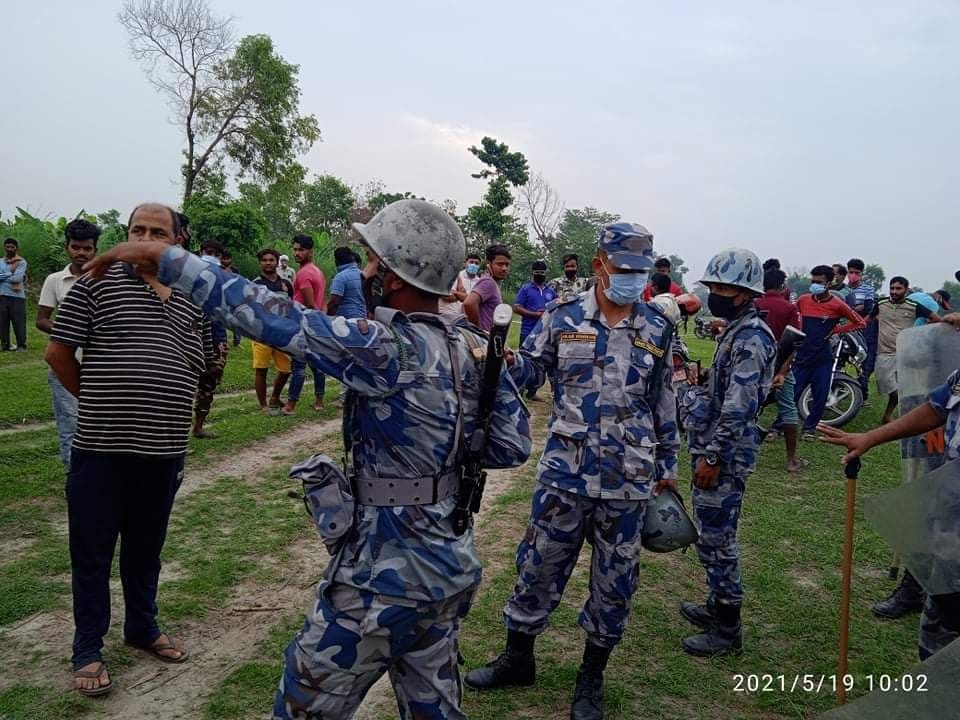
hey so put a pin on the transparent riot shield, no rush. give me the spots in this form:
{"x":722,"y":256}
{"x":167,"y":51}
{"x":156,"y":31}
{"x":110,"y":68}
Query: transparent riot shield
{"x":921,"y":521}
{"x":925,"y":358}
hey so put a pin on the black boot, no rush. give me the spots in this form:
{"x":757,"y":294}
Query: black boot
{"x":703,"y":616}
{"x":907,"y":598}
{"x":588,"y":694}
{"x":514,"y":666}
{"x":724,"y":637}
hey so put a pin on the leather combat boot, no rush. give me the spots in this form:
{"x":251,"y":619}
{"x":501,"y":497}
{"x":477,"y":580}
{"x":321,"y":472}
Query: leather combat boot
{"x":703,"y":616}
{"x":723,"y":637}
{"x":514,"y":666}
{"x":588,"y":694}
{"x":907,"y":598}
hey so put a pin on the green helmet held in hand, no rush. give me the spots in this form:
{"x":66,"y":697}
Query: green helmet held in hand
{"x":666,"y":525}
{"x":420,"y":243}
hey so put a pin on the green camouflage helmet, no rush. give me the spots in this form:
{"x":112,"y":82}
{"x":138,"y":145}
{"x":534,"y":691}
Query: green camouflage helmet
{"x":666,"y":525}
{"x":418,"y":242}
{"x":737,"y":267}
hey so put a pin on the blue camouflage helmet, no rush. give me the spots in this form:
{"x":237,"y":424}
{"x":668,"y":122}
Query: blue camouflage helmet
{"x":737,"y":267}
{"x":628,"y":245}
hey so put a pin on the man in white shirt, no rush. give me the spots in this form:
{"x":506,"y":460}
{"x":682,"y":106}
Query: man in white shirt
{"x":81,"y":244}
{"x":284,"y":270}
{"x":466,"y":279}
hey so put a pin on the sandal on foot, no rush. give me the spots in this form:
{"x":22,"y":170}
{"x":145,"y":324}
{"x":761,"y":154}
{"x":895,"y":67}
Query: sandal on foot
{"x":157,"y":650}
{"x":95,"y":673}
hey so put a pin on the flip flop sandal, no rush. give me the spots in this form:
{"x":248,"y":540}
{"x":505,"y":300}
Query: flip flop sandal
{"x":93,"y":692}
{"x":157,"y":650}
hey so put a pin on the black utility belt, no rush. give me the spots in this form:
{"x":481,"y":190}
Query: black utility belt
{"x":394,"y":492}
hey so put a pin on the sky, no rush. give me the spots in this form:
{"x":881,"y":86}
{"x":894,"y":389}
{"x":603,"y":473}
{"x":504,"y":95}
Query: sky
{"x":813,"y":132}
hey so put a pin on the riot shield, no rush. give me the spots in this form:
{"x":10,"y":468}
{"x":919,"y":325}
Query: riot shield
{"x":921,"y":521}
{"x":925,"y":358}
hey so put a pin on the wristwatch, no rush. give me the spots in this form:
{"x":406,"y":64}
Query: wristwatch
{"x":711,"y":459}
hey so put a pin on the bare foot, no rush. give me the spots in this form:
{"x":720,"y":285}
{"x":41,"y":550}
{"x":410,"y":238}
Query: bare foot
{"x":318,"y":405}
{"x":289,"y":409}
{"x":92,"y":679}
{"x":797,"y":465}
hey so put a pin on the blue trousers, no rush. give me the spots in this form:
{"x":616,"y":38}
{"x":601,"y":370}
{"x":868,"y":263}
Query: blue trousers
{"x":819,"y":377}
{"x":299,"y":374}
{"x":111,"y":496}
{"x":65,"y":411}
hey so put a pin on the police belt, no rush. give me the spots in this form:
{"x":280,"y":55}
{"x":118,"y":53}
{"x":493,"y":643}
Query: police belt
{"x":394,"y":492}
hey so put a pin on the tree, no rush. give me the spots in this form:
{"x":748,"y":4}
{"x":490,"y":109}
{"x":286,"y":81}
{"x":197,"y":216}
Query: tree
{"x":325,"y":205}
{"x":239,"y":226}
{"x":542,"y":207}
{"x":798,"y":281}
{"x":241,"y":106}
{"x":278,"y":200}
{"x":954,"y":289}
{"x":505,"y":168}
{"x":874,"y":276}
{"x":577,"y":234}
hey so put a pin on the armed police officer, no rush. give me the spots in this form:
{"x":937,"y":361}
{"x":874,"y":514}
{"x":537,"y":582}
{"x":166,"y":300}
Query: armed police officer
{"x":721,"y":418}
{"x":401,"y":578}
{"x":607,"y":452}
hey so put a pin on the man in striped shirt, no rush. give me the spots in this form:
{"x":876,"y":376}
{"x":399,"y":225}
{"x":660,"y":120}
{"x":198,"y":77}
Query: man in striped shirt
{"x":143,"y":352}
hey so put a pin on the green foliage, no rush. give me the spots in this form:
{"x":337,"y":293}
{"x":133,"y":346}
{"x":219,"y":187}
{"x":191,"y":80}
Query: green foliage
{"x":326,"y":205}
{"x":380,"y":200}
{"x":954,"y":289}
{"x":487,"y":220}
{"x":278,"y":200}
{"x":578,"y":234}
{"x":239,"y":226}
{"x":798,"y":282}
{"x":874,"y":276}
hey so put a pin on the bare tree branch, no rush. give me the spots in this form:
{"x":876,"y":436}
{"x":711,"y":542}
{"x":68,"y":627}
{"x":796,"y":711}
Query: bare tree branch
{"x":542,"y":207}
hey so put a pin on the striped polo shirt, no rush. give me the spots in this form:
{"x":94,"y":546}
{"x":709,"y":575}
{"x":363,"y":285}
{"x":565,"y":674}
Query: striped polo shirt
{"x":141,"y":363}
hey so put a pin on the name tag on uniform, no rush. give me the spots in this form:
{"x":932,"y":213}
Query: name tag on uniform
{"x":578,"y":337}
{"x":648,"y":346}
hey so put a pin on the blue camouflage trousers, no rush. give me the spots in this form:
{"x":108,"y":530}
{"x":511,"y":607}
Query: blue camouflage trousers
{"x":352,"y":637}
{"x":717,"y":514}
{"x":936,"y":631}
{"x":559,"y":523}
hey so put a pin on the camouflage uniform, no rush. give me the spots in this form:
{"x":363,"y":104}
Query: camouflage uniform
{"x":564,"y":287}
{"x":401,"y":580}
{"x":721,"y":420}
{"x":212,"y":375}
{"x":945,"y":400}
{"x":605,"y":452}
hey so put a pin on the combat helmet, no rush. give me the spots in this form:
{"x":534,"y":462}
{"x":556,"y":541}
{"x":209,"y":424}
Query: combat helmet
{"x":418,"y":242}
{"x":737,"y":267}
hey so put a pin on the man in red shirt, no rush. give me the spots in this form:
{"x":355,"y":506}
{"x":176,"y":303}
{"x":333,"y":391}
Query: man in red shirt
{"x":781,"y":313}
{"x":820,"y":314}
{"x":309,"y":286}
{"x":661,"y":267}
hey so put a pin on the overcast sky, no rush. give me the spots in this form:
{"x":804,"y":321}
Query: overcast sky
{"x":810,"y":131}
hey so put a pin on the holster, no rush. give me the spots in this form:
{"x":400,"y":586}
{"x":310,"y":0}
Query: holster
{"x":328,"y":498}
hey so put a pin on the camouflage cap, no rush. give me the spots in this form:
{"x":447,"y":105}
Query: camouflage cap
{"x":628,"y":245}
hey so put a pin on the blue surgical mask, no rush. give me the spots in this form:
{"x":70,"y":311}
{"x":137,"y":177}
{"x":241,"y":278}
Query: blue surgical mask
{"x":817,"y":288}
{"x":473,"y":268}
{"x":625,"y":288}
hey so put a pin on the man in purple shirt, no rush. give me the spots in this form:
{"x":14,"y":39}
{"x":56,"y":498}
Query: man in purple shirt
{"x":530,"y":303}
{"x":485,"y":296}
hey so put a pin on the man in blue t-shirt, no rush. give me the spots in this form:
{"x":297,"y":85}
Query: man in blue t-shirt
{"x":346,"y":290}
{"x":531,"y":301}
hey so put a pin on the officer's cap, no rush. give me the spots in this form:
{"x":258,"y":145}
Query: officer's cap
{"x":628,"y":245}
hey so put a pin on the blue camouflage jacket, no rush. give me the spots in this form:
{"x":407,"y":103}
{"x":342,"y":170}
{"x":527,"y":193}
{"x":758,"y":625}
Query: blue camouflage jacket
{"x":403,"y":424}
{"x":946,"y":402}
{"x":605,"y":441}
{"x":721,"y":418}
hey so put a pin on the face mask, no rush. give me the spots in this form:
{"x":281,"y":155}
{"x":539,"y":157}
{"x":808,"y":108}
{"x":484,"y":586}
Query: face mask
{"x":473,"y":268}
{"x":721,"y":306}
{"x":373,"y":289}
{"x":817,"y":288}
{"x":853,"y":277}
{"x":571,"y":274}
{"x":539,"y":279}
{"x":626,"y":288}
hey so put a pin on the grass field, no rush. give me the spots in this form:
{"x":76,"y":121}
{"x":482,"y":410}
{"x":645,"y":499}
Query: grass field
{"x":235,"y":535}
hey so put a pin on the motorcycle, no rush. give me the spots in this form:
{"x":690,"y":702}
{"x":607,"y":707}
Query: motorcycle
{"x":846,"y":395}
{"x":702,"y":328}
